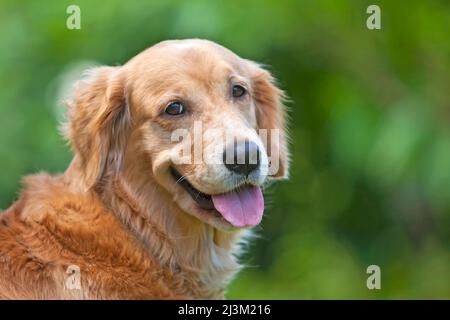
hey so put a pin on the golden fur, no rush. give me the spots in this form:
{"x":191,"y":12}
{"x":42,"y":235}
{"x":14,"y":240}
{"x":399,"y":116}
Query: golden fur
{"x":115,"y":213}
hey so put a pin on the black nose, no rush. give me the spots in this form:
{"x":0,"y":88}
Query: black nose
{"x":242,"y":157}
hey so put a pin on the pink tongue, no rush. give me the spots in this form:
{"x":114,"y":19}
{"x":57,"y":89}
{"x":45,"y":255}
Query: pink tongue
{"x":243,"y":208}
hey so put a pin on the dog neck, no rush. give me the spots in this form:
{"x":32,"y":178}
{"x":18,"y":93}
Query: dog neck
{"x":203,"y":256}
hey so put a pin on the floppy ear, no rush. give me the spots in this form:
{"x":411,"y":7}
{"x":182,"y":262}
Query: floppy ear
{"x":98,"y":121}
{"x":270,"y":115}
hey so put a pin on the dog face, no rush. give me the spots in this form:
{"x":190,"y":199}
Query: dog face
{"x":210,"y":123}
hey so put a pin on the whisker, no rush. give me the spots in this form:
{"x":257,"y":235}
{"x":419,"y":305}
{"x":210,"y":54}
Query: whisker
{"x":183,"y":177}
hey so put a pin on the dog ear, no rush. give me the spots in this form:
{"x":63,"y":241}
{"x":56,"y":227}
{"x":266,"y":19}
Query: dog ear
{"x":98,"y":121}
{"x":271,"y":115}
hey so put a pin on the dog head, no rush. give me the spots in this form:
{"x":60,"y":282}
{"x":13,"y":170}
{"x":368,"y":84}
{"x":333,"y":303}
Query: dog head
{"x":209,"y":126}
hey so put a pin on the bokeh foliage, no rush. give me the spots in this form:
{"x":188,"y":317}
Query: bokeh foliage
{"x":369,"y":125}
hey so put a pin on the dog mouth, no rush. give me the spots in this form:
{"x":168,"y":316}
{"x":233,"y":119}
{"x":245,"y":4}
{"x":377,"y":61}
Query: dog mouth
{"x":203,"y":200}
{"x":241,"y":207}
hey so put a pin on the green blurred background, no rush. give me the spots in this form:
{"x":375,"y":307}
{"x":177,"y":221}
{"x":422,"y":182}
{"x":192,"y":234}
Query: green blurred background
{"x":370,"y":127}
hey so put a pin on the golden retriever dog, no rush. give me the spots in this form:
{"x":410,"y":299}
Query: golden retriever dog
{"x":156,"y":202}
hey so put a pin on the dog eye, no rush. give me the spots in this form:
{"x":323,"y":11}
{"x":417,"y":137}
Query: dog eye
{"x":175,"y":108}
{"x":238,"y":91}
